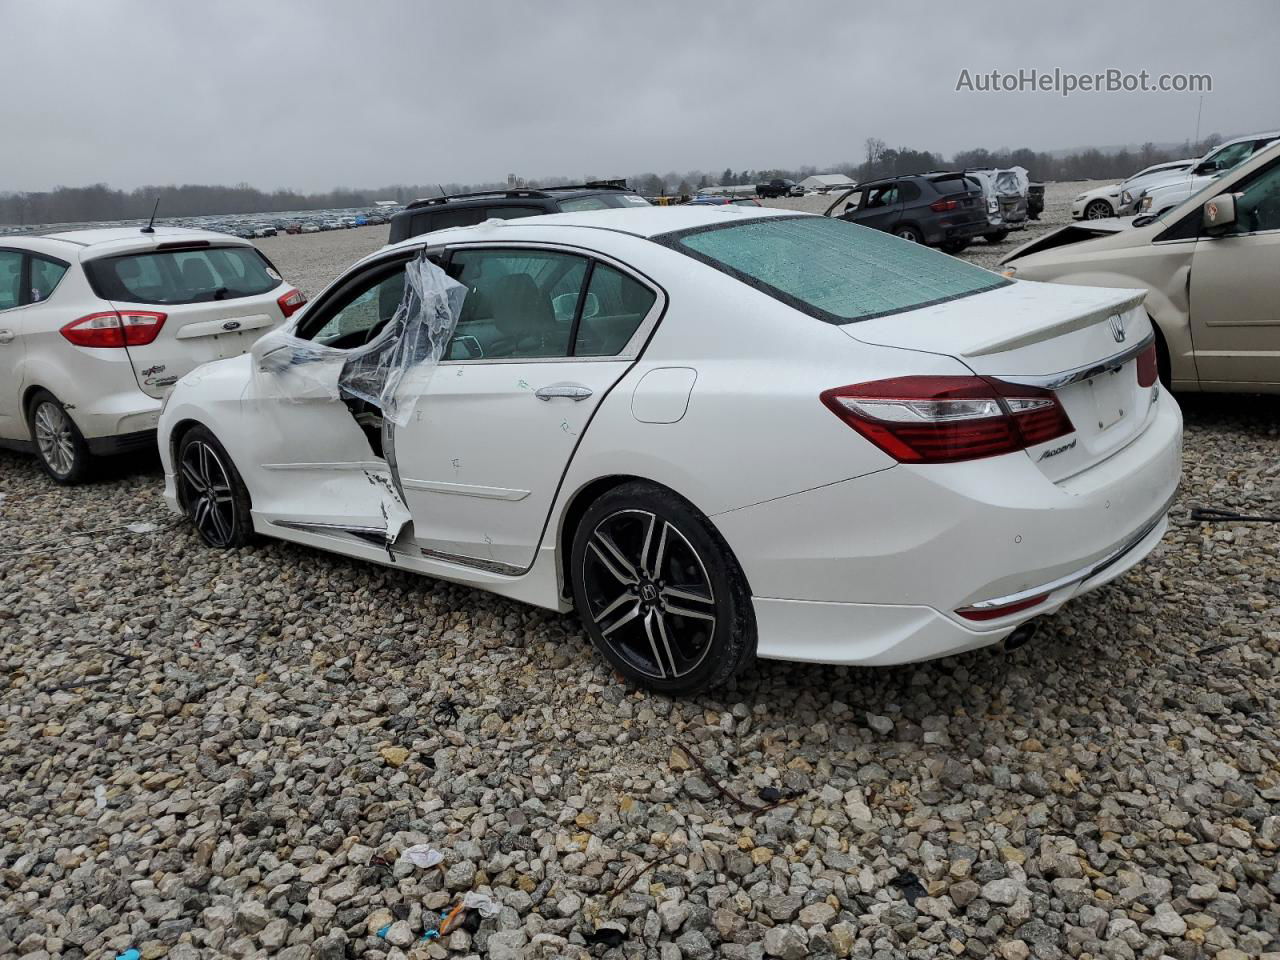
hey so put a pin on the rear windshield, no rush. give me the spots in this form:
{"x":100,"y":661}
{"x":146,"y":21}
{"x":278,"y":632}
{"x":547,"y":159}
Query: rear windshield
{"x":183,"y":276}
{"x":602,"y":201}
{"x":832,"y":269}
{"x":947,"y":185}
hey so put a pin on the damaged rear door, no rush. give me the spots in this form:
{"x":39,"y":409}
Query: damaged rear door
{"x":542,"y":337}
{"x":320,"y":445}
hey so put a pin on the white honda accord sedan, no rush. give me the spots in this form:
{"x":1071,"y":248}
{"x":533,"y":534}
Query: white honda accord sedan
{"x":715,"y":432}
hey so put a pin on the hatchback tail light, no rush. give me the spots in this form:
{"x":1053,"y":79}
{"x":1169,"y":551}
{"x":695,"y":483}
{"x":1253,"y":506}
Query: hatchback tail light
{"x":1148,"y":367}
{"x":291,"y":302}
{"x":942,"y":206}
{"x":934,"y":419}
{"x":125,"y":328}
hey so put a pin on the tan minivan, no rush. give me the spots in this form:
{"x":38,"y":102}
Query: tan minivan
{"x":1211,"y":268}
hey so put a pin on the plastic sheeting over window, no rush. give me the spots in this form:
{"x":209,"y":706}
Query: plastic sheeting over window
{"x":836,"y":271}
{"x":390,"y":371}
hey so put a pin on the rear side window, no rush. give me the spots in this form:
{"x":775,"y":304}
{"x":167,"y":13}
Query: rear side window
{"x":10,"y":279}
{"x":182,"y":276}
{"x":45,"y":277}
{"x":832,"y":269}
{"x":615,"y":305}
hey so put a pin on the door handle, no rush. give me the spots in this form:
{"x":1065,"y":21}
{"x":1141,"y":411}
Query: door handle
{"x":574,"y":391}
{"x":6,"y":336}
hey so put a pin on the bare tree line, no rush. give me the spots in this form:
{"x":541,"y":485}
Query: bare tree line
{"x":100,"y":202}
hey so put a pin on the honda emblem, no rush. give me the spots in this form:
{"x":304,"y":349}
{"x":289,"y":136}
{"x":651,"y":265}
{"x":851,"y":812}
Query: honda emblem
{"x":1117,"y":328}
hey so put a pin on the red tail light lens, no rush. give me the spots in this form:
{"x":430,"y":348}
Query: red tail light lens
{"x":949,"y":419}
{"x":1148,"y":367}
{"x":291,"y":302}
{"x":942,"y":206}
{"x":995,"y":613}
{"x":131,"y":328}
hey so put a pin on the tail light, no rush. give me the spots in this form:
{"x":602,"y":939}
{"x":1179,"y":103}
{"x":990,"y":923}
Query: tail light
{"x":1148,"y":367}
{"x":291,"y":302}
{"x":948,"y":419}
{"x":125,"y":328}
{"x":942,"y":206}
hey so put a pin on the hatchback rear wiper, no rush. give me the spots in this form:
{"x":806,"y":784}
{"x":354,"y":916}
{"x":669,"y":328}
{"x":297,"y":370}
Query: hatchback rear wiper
{"x":220,"y":293}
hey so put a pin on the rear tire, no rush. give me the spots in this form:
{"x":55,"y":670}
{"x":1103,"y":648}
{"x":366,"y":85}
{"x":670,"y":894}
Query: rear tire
{"x":954,"y":246}
{"x":60,"y":446}
{"x":659,"y":592}
{"x":212,"y":495}
{"x":996,"y":236}
{"x":909,"y":234}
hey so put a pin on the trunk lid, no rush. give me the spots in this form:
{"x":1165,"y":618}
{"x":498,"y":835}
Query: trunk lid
{"x":217,"y":299}
{"x":1079,"y":342}
{"x":198,"y":333}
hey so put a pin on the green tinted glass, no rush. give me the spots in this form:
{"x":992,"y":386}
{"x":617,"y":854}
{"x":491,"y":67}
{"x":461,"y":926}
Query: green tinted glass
{"x":837,"y":271}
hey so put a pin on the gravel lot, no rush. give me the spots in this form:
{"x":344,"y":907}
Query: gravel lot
{"x":224,"y":754}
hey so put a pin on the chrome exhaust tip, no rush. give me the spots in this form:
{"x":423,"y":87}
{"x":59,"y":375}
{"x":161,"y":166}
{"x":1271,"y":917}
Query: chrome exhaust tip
{"x":1020,"y":637}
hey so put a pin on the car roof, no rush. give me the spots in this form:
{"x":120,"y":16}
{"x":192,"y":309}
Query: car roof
{"x":103,"y":241}
{"x":643,"y":222}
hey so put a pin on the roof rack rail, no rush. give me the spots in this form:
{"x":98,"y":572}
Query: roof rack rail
{"x":538,"y":193}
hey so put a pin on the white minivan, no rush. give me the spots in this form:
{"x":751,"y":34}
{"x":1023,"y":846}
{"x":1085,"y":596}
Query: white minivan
{"x":97,"y":325}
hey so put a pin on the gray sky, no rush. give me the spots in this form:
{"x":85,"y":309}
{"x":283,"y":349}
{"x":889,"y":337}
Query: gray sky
{"x":314,"y":94}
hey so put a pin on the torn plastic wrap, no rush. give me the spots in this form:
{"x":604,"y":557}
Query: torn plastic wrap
{"x":391,"y":371}
{"x":1013,"y":182}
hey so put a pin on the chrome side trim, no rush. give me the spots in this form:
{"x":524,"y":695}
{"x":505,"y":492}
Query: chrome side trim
{"x":1079,"y":576}
{"x":341,"y":465}
{"x":465,"y":489}
{"x":1054,"y":381}
{"x":488,"y":566}
{"x":356,"y":529}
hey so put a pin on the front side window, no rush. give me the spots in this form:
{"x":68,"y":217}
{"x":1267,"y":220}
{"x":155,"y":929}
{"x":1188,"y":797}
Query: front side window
{"x":613,"y":309}
{"x":45,"y":276}
{"x":1258,"y":204}
{"x":182,"y":276}
{"x":520,"y":303}
{"x":10,"y":279}
{"x":832,"y":269}
{"x":359,"y":313}
{"x":1228,"y":157}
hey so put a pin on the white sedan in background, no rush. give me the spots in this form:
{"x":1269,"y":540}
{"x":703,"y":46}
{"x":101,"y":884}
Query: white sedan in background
{"x":97,"y":325}
{"x":1101,"y":203}
{"x":716,"y":432}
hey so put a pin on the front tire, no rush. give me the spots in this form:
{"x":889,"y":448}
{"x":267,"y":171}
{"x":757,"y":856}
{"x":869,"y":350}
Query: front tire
{"x":659,"y":591}
{"x":211,"y":492}
{"x":1098,"y":210}
{"x":60,"y":446}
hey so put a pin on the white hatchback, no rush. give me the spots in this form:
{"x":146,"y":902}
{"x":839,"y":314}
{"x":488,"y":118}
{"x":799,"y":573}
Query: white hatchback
{"x":97,"y":325}
{"x":715,"y":431}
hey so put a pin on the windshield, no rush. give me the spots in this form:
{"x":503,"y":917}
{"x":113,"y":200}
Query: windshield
{"x":831,"y":269}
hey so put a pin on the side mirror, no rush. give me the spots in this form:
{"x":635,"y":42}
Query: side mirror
{"x":1219,"y":212}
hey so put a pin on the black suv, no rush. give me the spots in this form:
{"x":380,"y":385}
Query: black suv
{"x":944,"y":210}
{"x":465,"y":209}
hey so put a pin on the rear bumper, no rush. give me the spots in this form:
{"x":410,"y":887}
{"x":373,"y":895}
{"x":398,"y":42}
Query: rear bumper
{"x":874,"y":568}
{"x":869,"y":634}
{"x":949,"y":230}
